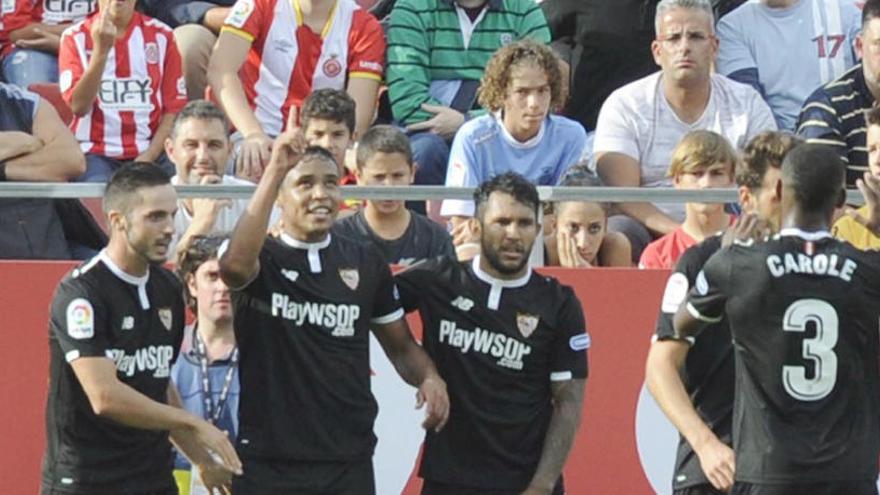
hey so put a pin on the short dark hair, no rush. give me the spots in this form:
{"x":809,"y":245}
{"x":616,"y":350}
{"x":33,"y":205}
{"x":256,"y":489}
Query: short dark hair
{"x":329,"y":104}
{"x":816,"y":175}
{"x":127,"y":180}
{"x":201,"y":110}
{"x":581,"y":175}
{"x":383,"y":139}
{"x":510,"y":183}
{"x":199,"y":249}
{"x":763,"y":152}
{"x":871,"y":10}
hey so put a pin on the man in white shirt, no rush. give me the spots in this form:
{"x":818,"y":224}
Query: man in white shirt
{"x":641,"y":123}
{"x":199,"y":147}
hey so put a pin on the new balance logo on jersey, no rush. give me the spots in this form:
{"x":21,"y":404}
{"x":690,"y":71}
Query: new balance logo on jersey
{"x":126,"y":93}
{"x":339,"y":318}
{"x":291,"y":275}
{"x":155,"y":358}
{"x":462,"y":303}
{"x":128,"y":323}
{"x":507,"y":350}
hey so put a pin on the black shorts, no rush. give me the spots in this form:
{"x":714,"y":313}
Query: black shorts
{"x":305,"y":478}
{"x":436,"y":488}
{"x":829,"y":488}
{"x":91,"y":491}
{"x":704,"y":489}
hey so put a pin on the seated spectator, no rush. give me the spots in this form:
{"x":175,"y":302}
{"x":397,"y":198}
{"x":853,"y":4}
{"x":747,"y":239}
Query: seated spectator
{"x":384,"y":158}
{"x":199,"y":147}
{"x":816,"y":37}
{"x":30,"y":34}
{"x":641,"y":123}
{"x":120,"y":75}
{"x":702,"y":160}
{"x":579,"y":236}
{"x":522,"y":84}
{"x":35,"y":146}
{"x":328,"y":120}
{"x":851,"y":227}
{"x":196,"y":25}
{"x":271,"y":54}
{"x":206,"y":371}
{"x":834,"y":113}
{"x":437,"y":53}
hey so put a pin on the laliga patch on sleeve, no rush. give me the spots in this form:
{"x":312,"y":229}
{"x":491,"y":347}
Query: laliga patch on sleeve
{"x":65,"y":80}
{"x":580,"y":342}
{"x":702,"y":285}
{"x":80,"y":319}
{"x":675,"y":293}
{"x":240,"y":13}
{"x":7,"y":7}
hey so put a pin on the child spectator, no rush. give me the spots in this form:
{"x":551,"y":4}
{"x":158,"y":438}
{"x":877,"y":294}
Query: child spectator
{"x":702,"y":160}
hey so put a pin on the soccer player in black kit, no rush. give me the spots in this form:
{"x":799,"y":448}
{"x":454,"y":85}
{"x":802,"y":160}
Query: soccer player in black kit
{"x":803,"y":310}
{"x":692,"y":380}
{"x":304,"y":305}
{"x":511,"y":345}
{"x":115,"y":331}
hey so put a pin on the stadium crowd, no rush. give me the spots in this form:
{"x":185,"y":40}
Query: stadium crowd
{"x":297,"y":97}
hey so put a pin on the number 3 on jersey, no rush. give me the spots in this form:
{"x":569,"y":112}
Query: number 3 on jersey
{"x":819,"y":349}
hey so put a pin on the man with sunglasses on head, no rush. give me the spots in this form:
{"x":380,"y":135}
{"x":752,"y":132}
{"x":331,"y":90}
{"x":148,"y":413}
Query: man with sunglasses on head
{"x":641,"y":123}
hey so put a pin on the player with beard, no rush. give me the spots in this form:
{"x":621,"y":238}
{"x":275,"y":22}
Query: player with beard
{"x":116,"y":327}
{"x":511,"y":345}
{"x":802,"y":311}
{"x":692,"y":380}
{"x":304,"y":304}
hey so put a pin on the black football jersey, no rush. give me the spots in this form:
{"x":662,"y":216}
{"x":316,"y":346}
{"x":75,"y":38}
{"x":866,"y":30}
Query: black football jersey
{"x":302,"y":327}
{"x":708,"y":370}
{"x":422,"y":239}
{"x":803,"y":311}
{"x":100,"y":311}
{"x":498,"y":344}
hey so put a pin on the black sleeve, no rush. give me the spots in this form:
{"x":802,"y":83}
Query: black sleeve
{"x":79,"y":321}
{"x":386,"y":300}
{"x":572,"y":341}
{"x":408,"y":282}
{"x":710,"y":291}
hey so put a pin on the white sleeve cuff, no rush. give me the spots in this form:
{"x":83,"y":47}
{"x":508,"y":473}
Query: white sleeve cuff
{"x":696,"y":314}
{"x":393,"y":316}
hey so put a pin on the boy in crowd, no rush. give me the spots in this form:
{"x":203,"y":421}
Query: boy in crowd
{"x":702,"y":160}
{"x":384,"y":158}
{"x":851,"y":227}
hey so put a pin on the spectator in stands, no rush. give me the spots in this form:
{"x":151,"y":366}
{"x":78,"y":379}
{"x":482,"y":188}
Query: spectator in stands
{"x":206,"y":371}
{"x":579,"y":236}
{"x":271,"y":54}
{"x":328,"y":120}
{"x":35,"y":146}
{"x":520,"y":87}
{"x":702,"y":160}
{"x":437,"y":52}
{"x":199,"y":147}
{"x":834,"y":113}
{"x":120,"y":75}
{"x":851,"y":227}
{"x":196,"y":25}
{"x":384,"y":158}
{"x":816,"y":37}
{"x":641,"y":123}
{"x":30,"y":34}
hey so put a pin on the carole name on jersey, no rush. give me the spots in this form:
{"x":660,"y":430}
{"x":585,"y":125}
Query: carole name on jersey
{"x":820,"y":264}
{"x":340,"y":318}
{"x":509,"y":351}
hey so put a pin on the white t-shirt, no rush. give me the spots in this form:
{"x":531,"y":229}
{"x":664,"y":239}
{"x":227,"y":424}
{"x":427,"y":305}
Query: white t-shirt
{"x":637,"y":121}
{"x":226,"y":219}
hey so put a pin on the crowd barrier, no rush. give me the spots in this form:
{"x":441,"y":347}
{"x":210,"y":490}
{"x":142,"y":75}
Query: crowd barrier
{"x":624,"y":445}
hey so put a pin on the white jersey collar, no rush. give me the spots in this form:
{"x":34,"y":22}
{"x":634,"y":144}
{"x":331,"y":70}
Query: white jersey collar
{"x":496,"y":285}
{"x":529,"y":143}
{"x":139,"y":282}
{"x":313,"y":249}
{"x":807,"y":236}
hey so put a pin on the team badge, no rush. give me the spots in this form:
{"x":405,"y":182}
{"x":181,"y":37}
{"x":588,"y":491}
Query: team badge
{"x":526,"y":324}
{"x":7,"y":6}
{"x":80,"y":319}
{"x":291,"y":275}
{"x":241,"y":12}
{"x":332,"y":67}
{"x":165,"y":317}
{"x":151,"y":51}
{"x":506,"y":38}
{"x":350,"y":277}
{"x":181,"y":86}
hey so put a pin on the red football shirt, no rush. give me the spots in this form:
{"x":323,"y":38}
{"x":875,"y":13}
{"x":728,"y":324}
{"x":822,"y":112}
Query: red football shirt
{"x":665,"y":251}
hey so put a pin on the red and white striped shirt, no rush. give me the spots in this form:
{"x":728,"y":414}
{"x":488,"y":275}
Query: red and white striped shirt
{"x":14,"y":14}
{"x":141,"y":82}
{"x":287,"y":60}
